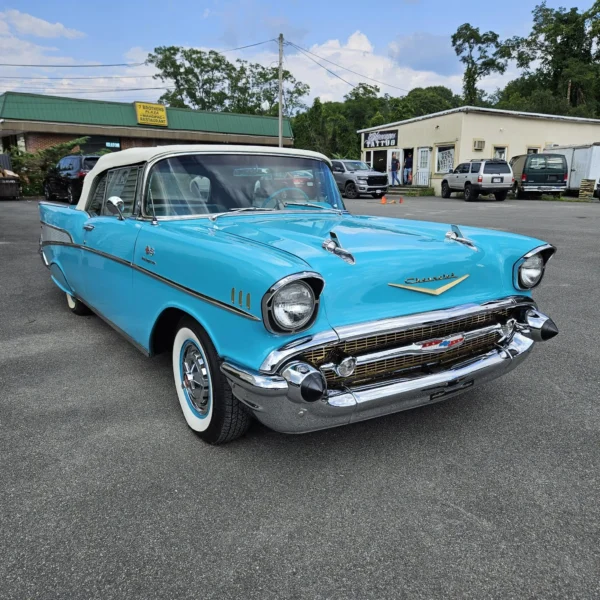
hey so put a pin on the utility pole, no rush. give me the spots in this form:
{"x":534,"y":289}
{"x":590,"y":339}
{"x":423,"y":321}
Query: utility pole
{"x":281,"y":90}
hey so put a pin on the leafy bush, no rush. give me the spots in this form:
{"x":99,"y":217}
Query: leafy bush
{"x":32,"y":167}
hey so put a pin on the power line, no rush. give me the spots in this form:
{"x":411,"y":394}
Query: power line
{"x":322,"y":66}
{"x":71,"y":78}
{"x":122,"y":64}
{"x":347,"y":69}
{"x":93,"y":91}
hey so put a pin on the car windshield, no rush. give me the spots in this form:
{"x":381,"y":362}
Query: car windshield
{"x":356,"y":165}
{"x":205,"y":184}
{"x":541,"y":162}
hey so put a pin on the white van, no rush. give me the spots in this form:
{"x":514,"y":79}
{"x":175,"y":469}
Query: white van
{"x":583,"y":162}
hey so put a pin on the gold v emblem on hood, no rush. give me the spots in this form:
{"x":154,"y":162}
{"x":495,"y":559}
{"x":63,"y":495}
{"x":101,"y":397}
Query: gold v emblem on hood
{"x":432,"y":292}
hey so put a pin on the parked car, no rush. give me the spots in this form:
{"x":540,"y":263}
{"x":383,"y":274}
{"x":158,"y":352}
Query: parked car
{"x":287,"y":307}
{"x":583,"y":162}
{"x":65,"y":180}
{"x":355,"y":178}
{"x":479,"y":176}
{"x":539,"y":173}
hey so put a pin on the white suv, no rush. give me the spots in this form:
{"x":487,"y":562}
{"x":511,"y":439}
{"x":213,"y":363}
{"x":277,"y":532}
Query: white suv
{"x":487,"y":176}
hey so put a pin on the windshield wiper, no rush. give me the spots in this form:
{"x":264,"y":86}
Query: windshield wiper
{"x":311,"y":205}
{"x":239,"y":210}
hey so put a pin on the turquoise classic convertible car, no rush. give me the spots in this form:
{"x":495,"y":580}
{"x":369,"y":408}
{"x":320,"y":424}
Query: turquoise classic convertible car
{"x":276,"y":302}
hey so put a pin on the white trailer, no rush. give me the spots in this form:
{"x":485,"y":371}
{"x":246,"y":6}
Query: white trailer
{"x":583,"y":162}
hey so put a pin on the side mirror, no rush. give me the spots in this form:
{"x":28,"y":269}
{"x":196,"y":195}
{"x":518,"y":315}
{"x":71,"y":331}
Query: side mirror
{"x":450,"y":170}
{"x":115,"y":206}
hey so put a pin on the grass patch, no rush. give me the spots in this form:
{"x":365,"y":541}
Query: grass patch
{"x":425,"y":191}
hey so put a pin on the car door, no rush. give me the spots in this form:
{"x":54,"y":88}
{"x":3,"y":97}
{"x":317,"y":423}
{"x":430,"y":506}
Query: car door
{"x":56,"y":179}
{"x":109,"y":245}
{"x":453,"y":178}
{"x":338,"y":173}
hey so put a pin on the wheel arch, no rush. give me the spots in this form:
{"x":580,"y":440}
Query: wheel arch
{"x":164,"y":329}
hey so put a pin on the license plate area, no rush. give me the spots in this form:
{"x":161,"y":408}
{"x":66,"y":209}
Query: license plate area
{"x":497,"y":179}
{"x":452,"y":390}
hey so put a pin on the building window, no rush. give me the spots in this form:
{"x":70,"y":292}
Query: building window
{"x":444,"y":159}
{"x":500,"y":152}
{"x":532,"y":150}
{"x":368,"y":157}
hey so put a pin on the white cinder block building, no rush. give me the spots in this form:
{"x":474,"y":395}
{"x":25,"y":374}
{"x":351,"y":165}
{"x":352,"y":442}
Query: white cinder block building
{"x":442,"y":140}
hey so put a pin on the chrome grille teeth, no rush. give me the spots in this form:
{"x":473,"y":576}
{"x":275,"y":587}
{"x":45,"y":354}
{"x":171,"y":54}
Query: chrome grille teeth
{"x":385,"y":368}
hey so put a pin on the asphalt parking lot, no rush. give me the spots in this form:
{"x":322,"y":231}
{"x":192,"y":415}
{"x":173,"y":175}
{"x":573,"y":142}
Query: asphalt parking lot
{"x":105,"y":493}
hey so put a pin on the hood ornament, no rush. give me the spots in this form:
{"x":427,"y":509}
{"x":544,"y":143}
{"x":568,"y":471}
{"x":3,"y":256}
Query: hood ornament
{"x":332,"y":244}
{"x":410,"y":284}
{"x":456,"y":236}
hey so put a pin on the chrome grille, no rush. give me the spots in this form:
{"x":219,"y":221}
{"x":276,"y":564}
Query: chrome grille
{"x":383,"y":368}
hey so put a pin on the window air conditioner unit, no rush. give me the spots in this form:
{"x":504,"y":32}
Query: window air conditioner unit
{"x":478,"y":144}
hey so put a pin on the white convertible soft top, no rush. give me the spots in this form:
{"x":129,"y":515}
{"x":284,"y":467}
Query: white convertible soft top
{"x":140,"y":155}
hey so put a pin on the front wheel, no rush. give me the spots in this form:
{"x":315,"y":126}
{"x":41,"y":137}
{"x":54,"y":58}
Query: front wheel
{"x":71,"y":194}
{"x":48,"y":195}
{"x":351,"y":191}
{"x":446,"y":191}
{"x":207,"y":402}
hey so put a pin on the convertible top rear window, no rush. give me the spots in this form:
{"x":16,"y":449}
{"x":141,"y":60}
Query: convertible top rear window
{"x":204,"y":184}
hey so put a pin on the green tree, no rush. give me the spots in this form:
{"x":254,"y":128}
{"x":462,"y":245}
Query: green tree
{"x":482,"y":54}
{"x":31,"y":167}
{"x":208,"y":81}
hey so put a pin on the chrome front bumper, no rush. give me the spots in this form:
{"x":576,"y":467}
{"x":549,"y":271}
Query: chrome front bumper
{"x":277,"y":401}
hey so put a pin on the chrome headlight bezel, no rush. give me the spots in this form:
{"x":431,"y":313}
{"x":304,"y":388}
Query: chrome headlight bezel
{"x":545,"y":253}
{"x":312,"y":280}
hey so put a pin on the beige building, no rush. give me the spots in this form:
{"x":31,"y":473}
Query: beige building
{"x":440,"y":141}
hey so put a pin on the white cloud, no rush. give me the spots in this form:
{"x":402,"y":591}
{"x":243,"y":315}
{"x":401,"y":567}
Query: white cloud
{"x":206,"y":13}
{"x":25,"y":24}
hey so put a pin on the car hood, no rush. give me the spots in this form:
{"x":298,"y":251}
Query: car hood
{"x":366,"y":173}
{"x":386,"y":252}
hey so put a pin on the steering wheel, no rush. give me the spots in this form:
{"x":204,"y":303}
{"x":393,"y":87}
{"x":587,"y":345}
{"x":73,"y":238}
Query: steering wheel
{"x":280,"y":204}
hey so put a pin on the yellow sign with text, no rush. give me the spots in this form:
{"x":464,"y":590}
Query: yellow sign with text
{"x":151,"y":114}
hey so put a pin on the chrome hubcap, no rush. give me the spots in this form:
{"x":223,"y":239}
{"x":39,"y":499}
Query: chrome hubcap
{"x":195,"y":377}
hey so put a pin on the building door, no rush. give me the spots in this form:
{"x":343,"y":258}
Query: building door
{"x":578,"y":167}
{"x":380,"y":161}
{"x":423,"y":167}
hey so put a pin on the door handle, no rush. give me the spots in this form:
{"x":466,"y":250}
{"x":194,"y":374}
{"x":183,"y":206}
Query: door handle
{"x":88,"y":227}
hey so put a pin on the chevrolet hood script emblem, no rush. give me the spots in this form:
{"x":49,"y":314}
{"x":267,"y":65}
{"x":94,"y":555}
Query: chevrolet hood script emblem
{"x":411,"y":284}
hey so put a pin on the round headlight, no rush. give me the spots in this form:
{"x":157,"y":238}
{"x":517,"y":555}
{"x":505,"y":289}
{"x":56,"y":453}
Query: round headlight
{"x":531,"y":271}
{"x":293,"y":305}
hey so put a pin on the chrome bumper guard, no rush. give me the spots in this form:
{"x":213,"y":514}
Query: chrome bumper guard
{"x":280,"y":401}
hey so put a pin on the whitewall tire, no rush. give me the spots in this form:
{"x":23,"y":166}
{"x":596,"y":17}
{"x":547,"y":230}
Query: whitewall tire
{"x":206,"y":400}
{"x":76,"y":306}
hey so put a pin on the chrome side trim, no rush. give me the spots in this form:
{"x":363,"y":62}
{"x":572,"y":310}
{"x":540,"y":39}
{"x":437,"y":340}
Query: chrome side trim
{"x":207,"y":299}
{"x":182,"y":288}
{"x":393,"y":325}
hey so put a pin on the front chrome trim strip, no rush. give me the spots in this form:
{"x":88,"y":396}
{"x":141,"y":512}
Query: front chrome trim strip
{"x":182,"y":288}
{"x":332,"y":337}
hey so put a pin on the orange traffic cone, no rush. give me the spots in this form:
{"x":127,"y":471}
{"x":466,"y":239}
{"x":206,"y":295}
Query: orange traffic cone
{"x":383,"y":200}
{"x":401,"y":200}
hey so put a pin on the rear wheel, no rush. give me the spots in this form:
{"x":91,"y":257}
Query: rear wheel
{"x":446,"y":191}
{"x":48,"y":195}
{"x":207,"y":402}
{"x":500,"y":196}
{"x":519,"y":195}
{"x":77,"y":307}
{"x":71,"y":194}
{"x":351,"y":191}
{"x":470,"y":194}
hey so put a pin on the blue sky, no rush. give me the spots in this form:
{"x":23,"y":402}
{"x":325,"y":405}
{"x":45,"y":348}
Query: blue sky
{"x":404,"y":42}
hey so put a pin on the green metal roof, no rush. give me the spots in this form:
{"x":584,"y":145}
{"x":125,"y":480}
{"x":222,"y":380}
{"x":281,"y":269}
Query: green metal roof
{"x":55,"y":109}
